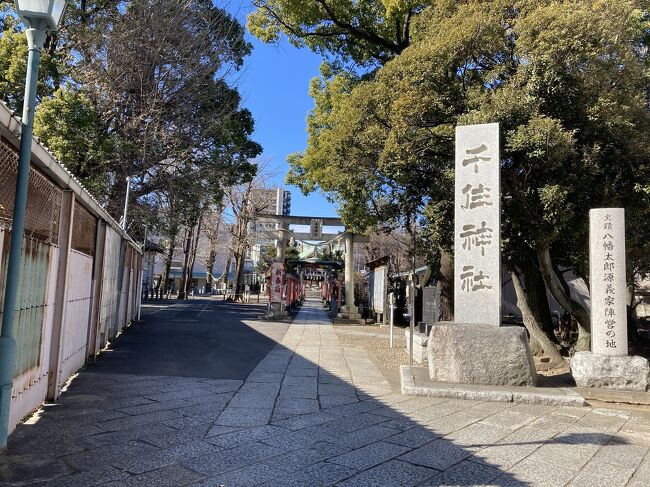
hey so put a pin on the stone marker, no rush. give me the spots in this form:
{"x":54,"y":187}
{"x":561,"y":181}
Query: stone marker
{"x":608,"y":365}
{"x":477,"y":275}
{"x":276,"y":287}
{"x":430,"y":305}
{"x":277,"y":282}
{"x":607,"y":281}
{"x":475,"y":348}
{"x":420,"y":342}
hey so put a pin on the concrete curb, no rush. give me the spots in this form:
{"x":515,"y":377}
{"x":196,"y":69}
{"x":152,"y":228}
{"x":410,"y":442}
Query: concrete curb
{"x":528,"y":395}
{"x":615,"y":396}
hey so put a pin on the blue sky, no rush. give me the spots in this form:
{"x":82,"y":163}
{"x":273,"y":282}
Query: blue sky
{"x":274,"y":87}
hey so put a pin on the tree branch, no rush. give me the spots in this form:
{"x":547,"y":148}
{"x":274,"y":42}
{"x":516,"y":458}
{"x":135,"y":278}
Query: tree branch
{"x":358,"y":33}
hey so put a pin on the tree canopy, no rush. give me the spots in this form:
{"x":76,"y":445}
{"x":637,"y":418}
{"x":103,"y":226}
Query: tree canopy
{"x":367,"y":33}
{"x":568,"y":82}
{"x":145,"y":90}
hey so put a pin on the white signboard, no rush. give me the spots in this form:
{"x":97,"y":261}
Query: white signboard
{"x":277,"y":282}
{"x":377,"y":288}
{"x":477,"y":283}
{"x":607,"y":281}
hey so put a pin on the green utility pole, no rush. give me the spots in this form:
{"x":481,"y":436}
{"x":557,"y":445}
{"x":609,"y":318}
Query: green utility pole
{"x":38,"y":17}
{"x":35,"y":40}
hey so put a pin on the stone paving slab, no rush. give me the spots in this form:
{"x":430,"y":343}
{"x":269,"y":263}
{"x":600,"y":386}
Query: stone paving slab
{"x":315,"y":413}
{"x":370,"y":455}
{"x":641,"y":475}
{"x":394,"y":472}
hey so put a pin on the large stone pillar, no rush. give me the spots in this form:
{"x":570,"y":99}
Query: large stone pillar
{"x":349,"y":270}
{"x":280,"y":244}
{"x":277,"y":310}
{"x":349,"y":311}
{"x":475,"y":349}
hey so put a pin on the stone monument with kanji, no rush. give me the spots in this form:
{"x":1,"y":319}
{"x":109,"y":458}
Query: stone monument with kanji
{"x":475,"y":348}
{"x":608,"y":364}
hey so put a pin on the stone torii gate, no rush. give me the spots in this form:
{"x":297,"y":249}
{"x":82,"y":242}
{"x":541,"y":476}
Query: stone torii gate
{"x":281,"y":232}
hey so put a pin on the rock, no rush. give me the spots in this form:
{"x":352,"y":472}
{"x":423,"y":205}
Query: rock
{"x":610,"y":371}
{"x":480,"y":354}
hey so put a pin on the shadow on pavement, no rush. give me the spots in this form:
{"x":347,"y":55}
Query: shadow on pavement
{"x":198,"y":338}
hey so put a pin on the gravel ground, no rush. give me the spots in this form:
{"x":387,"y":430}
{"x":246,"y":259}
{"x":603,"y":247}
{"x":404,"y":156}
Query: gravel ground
{"x":375,"y":340}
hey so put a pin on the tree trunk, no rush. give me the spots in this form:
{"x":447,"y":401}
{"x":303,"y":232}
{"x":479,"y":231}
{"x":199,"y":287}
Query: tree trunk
{"x":186,"y":251}
{"x":576,"y":309}
{"x":535,"y":348}
{"x":446,"y":285}
{"x":632,"y":318}
{"x":212,"y":256}
{"x":538,"y":300}
{"x":235,"y":281}
{"x":190,"y":266}
{"x":195,"y":246}
{"x":169,"y":256}
{"x":209,"y":278}
{"x":240,"y":259}
{"x":534,"y":329}
{"x":565,"y":328}
{"x":227,"y":268}
{"x":584,"y":338}
{"x":240,"y":254}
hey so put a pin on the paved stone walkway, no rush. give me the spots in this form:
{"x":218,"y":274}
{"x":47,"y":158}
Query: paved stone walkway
{"x":314,"y":412}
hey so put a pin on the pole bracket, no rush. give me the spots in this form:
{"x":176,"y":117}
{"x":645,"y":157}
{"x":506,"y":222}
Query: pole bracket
{"x":35,"y":39}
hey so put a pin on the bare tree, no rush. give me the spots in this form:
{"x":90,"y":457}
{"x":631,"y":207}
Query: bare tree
{"x":244,"y":201}
{"x":395,"y":244}
{"x":211,"y":237}
{"x":189,"y":256}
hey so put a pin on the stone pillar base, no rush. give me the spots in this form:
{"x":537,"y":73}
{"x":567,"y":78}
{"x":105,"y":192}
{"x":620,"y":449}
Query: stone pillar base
{"x":480,"y":354}
{"x":277,"y":311}
{"x":349,"y":313}
{"x":420,"y":341}
{"x":610,"y":371}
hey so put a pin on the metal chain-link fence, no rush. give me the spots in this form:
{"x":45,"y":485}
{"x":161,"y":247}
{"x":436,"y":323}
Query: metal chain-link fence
{"x":43,"y":199}
{"x":84,"y":229}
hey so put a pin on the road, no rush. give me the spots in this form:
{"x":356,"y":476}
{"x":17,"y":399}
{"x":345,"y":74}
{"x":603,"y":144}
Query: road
{"x":199,"y":338}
